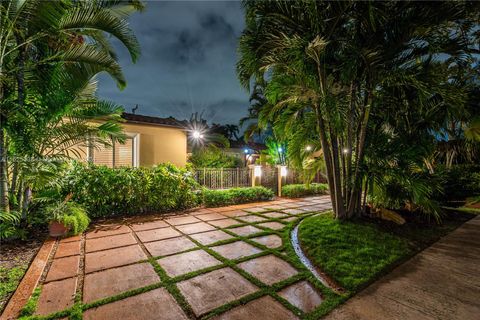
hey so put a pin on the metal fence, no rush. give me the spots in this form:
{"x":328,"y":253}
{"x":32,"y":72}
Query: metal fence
{"x":224,"y":178}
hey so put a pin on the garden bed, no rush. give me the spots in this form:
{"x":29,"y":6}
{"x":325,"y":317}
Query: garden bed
{"x":15,"y":259}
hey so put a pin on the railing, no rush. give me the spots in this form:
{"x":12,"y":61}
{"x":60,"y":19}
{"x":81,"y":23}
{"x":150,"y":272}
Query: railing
{"x":224,"y":178}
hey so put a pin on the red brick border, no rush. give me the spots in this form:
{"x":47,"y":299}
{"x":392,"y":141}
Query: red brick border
{"x":29,"y":282}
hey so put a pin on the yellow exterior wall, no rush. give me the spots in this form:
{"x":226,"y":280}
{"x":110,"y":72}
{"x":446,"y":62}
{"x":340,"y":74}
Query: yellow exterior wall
{"x":159,"y":144}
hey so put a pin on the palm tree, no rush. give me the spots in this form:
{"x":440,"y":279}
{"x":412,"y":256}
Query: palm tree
{"x":36,"y":35}
{"x":341,"y":61}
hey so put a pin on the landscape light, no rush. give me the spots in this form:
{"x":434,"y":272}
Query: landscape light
{"x":283,"y":171}
{"x":308,"y":148}
{"x":280,"y":149}
{"x":257,"y":171}
{"x":345,"y":150}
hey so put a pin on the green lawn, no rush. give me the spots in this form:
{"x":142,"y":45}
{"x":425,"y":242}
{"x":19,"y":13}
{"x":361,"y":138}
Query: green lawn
{"x":355,"y":253}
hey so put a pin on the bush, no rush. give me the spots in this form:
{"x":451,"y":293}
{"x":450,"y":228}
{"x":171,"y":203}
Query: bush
{"x":213,"y":157}
{"x":301,"y":190}
{"x":460,"y":181}
{"x":107,"y":192}
{"x":217,"y":198}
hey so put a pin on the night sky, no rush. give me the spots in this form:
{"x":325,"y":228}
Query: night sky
{"x":189,"y":51}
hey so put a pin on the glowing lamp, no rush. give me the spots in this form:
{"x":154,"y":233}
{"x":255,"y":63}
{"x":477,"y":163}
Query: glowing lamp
{"x":257,"y":171}
{"x":196,"y":134}
{"x":283,"y":171}
{"x":308,"y":148}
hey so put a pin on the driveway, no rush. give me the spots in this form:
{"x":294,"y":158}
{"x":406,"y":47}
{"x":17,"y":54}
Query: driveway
{"x":223,"y":263}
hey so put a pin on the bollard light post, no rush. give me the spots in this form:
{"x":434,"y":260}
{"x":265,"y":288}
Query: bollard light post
{"x":282,"y":173}
{"x":256,"y":172}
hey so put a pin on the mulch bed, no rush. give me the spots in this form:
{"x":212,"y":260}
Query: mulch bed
{"x":17,"y":254}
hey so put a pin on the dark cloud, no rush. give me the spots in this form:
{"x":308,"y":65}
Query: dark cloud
{"x":187,"y":63}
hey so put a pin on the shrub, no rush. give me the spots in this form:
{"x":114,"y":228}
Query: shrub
{"x":460,"y":181}
{"x":213,"y":157}
{"x":71,"y":214}
{"x":302,"y":190}
{"x":106,"y":192}
{"x":217,"y":198}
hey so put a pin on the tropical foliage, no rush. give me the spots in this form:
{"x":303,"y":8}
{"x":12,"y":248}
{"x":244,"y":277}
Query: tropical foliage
{"x":50,"y":53}
{"x":72,"y":215}
{"x":375,"y":85}
{"x":214,"y":157}
{"x":130,"y":190}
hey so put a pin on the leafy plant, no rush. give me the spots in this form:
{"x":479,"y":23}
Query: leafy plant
{"x":9,"y":225}
{"x":217,"y":198}
{"x":130,"y":190}
{"x":302,"y":190}
{"x":73,"y":215}
{"x":213,"y":157}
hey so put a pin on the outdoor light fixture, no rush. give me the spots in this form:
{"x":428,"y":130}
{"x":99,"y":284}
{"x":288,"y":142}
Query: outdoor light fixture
{"x":345,"y":150}
{"x":246,"y":150}
{"x":283,"y":171}
{"x":308,"y":148}
{"x":257,"y":171}
{"x":197,"y":135}
{"x":280,"y":149}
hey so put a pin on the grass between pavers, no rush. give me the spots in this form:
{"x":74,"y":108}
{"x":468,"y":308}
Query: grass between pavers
{"x":169,"y":283}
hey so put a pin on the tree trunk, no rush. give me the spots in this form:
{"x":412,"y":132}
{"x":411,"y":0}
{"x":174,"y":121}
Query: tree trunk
{"x":326,"y":155}
{"x":340,"y":206}
{"x":4,"y":205}
{"x":356,"y":187}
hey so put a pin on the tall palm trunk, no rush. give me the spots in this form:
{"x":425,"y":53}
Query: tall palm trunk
{"x":357,"y":185}
{"x":326,"y":155}
{"x":340,"y":212}
{"x":4,"y":205}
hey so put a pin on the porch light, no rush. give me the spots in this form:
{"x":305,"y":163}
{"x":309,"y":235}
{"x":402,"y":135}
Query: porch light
{"x":257,"y":171}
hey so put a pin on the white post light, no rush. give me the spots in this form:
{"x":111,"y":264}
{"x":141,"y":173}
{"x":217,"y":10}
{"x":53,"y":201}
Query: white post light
{"x":282,"y":173}
{"x":257,"y":171}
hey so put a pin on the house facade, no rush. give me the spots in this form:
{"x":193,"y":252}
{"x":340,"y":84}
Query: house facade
{"x":150,"y":141}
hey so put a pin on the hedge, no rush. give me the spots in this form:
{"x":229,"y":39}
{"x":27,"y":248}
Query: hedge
{"x":301,"y":190}
{"x":106,"y":192}
{"x":218,"y":198}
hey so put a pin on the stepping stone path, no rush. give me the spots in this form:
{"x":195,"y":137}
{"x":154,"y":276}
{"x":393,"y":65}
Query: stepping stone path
{"x":224,"y":263}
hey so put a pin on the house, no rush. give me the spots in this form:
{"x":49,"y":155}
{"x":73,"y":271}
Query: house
{"x":248,"y":152}
{"x":151,"y":141}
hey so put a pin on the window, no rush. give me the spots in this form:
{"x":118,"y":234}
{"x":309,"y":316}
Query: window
{"x":117,"y":155}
